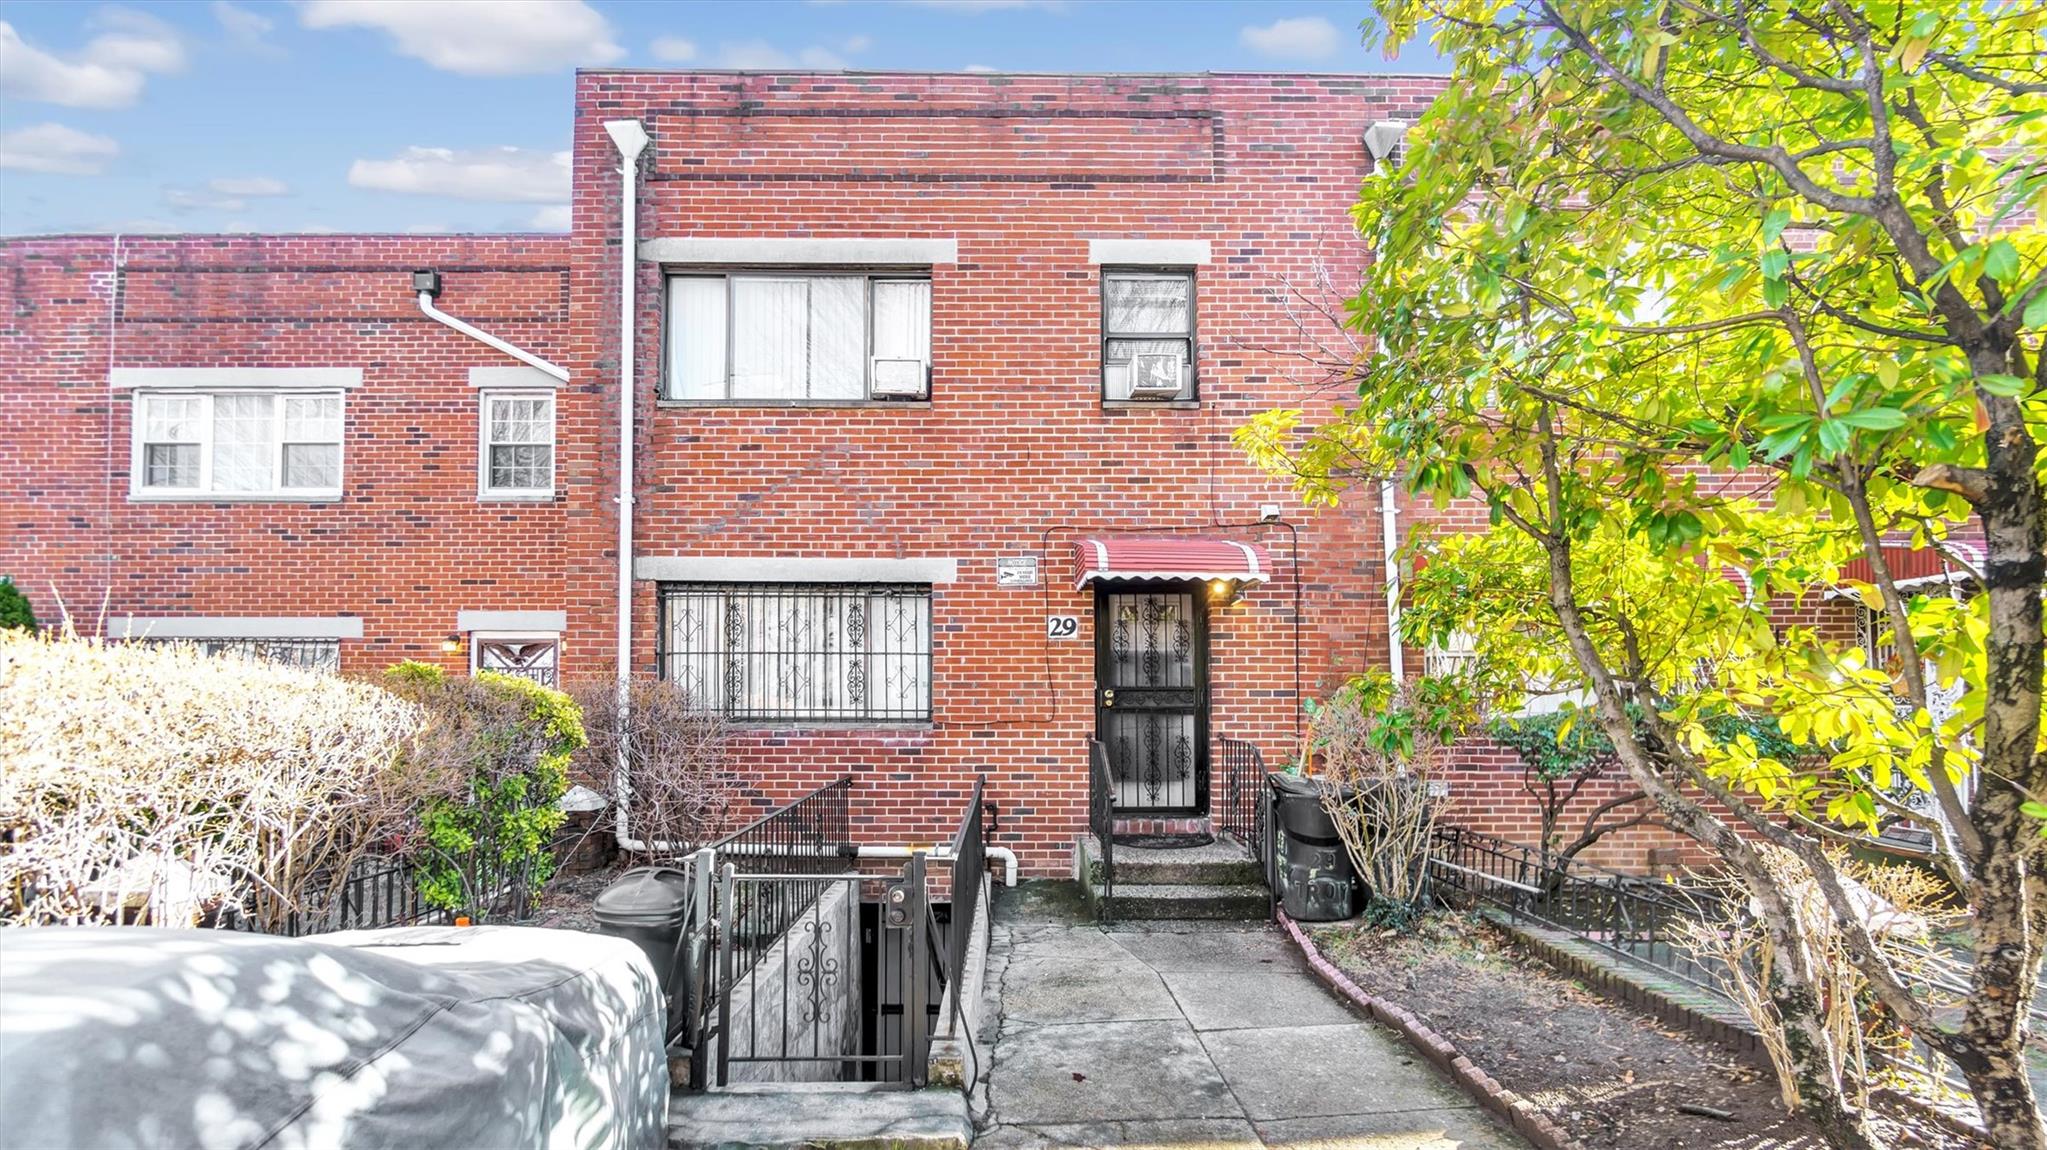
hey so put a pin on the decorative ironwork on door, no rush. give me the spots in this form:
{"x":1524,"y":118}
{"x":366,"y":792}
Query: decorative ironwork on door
{"x":1151,"y":703}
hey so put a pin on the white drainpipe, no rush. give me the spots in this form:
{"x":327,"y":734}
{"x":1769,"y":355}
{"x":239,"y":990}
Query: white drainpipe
{"x":631,"y":139}
{"x":426,"y":305}
{"x":1388,"y":522}
{"x":944,"y":854}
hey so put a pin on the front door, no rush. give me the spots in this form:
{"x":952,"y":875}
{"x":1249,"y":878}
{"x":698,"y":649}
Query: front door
{"x":1151,"y":695}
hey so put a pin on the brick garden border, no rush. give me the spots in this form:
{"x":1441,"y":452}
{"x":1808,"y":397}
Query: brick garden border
{"x":1484,"y":1089}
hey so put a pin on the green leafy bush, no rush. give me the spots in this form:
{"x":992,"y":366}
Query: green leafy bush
{"x":16,"y":613}
{"x":512,"y":740}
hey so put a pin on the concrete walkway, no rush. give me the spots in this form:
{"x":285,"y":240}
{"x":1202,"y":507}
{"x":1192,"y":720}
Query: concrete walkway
{"x":1179,"y":1034}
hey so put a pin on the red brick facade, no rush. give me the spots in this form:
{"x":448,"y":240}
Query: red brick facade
{"x":1015,"y":454}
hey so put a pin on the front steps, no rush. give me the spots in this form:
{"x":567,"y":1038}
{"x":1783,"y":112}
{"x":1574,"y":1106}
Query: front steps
{"x":1219,"y":881}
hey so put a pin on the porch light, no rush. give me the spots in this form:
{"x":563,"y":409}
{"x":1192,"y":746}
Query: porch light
{"x":1223,"y":592}
{"x":452,"y":645}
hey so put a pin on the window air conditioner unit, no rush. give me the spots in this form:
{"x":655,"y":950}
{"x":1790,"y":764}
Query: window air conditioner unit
{"x":1156,"y":375}
{"x":896,"y":377}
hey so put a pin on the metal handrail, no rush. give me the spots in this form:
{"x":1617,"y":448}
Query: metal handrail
{"x":809,"y":834}
{"x":969,"y":868}
{"x":1101,"y":817}
{"x":1242,"y":790}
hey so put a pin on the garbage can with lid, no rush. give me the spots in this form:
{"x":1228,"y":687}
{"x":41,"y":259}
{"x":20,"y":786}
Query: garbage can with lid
{"x":1317,"y":882}
{"x":650,"y":905}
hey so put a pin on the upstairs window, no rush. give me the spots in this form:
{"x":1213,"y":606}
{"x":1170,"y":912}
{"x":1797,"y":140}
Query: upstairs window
{"x":798,"y":337}
{"x":237,"y":444}
{"x":517,"y":458}
{"x":1147,"y":335}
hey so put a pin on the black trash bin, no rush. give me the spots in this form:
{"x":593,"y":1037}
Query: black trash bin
{"x":650,"y":906}
{"x":1317,"y":882}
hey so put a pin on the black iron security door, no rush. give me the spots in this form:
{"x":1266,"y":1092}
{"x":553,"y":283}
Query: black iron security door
{"x":1151,"y":696}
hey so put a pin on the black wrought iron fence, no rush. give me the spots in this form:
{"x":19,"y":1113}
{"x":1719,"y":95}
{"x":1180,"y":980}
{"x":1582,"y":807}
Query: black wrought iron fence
{"x":1639,"y":918}
{"x":382,"y":891}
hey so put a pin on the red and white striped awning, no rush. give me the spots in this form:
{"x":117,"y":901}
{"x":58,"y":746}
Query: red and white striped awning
{"x":1158,"y":557}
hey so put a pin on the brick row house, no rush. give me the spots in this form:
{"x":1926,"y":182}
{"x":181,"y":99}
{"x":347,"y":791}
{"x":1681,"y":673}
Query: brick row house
{"x":931,"y":390}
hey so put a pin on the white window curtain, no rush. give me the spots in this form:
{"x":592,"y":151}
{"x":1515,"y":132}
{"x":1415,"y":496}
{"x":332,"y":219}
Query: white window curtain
{"x":902,"y":320}
{"x":696,"y":327}
{"x":770,"y":329}
{"x":793,"y":337}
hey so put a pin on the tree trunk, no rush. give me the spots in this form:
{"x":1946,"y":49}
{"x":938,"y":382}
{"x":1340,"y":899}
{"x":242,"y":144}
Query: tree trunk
{"x":2007,"y":895}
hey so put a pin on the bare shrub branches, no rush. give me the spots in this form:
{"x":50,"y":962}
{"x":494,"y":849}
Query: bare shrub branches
{"x":680,"y":786}
{"x":1375,"y":785}
{"x":155,"y":776}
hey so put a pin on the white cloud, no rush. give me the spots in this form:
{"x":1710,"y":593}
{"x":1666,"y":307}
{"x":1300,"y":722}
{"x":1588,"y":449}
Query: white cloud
{"x":432,"y":229}
{"x":674,"y":50}
{"x":552,"y":218}
{"x":109,"y":72}
{"x":1300,"y":38}
{"x":477,"y":38}
{"x":57,"y":149}
{"x":855,"y":45}
{"x":979,"y":69}
{"x":251,"y":186}
{"x":246,"y":29}
{"x":492,"y":175}
{"x":759,"y":55}
{"x":186,"y":200}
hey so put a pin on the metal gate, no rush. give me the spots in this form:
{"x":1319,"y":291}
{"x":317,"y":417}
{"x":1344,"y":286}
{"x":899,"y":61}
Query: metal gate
{"x":1151,"y":696}
{"x":786,"y":979}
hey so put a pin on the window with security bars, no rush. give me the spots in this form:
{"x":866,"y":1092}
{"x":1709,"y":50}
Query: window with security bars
{"x":518,"y":444}
{"x":312,"y":654}
{"x":801,"y":652}
{"x":237,"y":444}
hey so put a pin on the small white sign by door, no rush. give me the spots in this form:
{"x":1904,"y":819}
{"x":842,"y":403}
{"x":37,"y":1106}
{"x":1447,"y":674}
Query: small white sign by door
{"x":1062,"y":626}
{"x":1016,"y":571}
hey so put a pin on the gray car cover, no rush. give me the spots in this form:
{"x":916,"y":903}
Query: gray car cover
{"x":485,"y":1037}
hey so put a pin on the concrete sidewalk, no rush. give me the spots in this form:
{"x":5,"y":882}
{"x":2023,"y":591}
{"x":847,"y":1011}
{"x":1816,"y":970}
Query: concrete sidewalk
{"x":1178,"y":1034}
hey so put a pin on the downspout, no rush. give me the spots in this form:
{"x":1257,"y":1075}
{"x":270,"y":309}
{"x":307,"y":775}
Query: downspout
{"x":426,"y":305}
{"x":631,"y":139}
{"x":1389,"y":524}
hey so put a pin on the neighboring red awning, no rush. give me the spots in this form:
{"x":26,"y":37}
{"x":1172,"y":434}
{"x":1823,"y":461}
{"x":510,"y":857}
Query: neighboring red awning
{"x":1909,"y":564}
{"x":1168,"y":557}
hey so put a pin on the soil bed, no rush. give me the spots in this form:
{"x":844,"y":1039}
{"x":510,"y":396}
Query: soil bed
{"x":565,"y":900}
{"x":1613,"y":1077}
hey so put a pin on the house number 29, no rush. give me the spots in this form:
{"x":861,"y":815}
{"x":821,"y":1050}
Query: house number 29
{"x":1062,"y":626}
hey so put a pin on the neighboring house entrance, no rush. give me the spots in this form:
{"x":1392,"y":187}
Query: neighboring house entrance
{"x":1151,"y":694}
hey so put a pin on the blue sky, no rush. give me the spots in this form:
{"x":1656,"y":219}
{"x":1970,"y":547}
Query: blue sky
{"x":452,"y":115}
